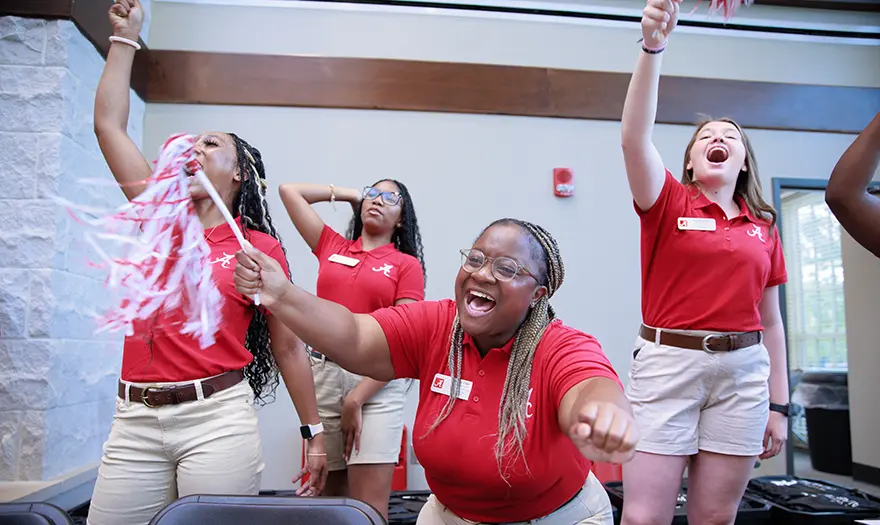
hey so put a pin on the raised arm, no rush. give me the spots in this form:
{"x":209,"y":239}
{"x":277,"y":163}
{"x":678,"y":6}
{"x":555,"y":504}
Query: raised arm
{"x":298,"y":199}
{"x":123,"y":157}
{"x":644,"y":167}
{"x":857,"y":210}
{"x":355,"y":342}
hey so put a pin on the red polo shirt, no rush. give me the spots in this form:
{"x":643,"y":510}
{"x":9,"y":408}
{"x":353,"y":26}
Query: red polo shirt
{"x":458,"y":456}
{"x":695,"y":279}
{"x":157,"y":352}
{"x":364,"y":281}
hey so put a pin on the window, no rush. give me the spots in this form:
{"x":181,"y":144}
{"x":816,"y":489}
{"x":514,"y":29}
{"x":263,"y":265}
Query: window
{"x":816,"y":322}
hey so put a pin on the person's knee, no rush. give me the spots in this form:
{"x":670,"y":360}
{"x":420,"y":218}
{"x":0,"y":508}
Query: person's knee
{"x":643,"y":513}
{"x":712,"y":514}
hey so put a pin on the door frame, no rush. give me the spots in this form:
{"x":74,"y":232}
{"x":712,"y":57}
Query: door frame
{"x":780,"y":184}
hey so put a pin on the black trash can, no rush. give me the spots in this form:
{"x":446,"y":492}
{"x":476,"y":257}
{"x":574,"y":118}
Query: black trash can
{"x":404,"y":506}
{"x":825,"y":398}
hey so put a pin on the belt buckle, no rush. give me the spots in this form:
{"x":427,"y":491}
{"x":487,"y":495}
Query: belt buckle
{"x":145,"y":394}
{"x":705,"y":342}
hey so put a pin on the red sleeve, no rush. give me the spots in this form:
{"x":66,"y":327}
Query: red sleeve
{"x":778,"y":272}
{"x":577,"y":357}
{"x":271,"y":247}
{"x":330,"y":242}
{"x":411,"y":329}
{"x":410,"y":281}
{"x":672,"y":199}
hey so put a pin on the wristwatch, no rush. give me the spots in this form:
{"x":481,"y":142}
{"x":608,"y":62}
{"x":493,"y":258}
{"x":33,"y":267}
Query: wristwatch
{"x":782,"y":409}
{"x":310,"y":431}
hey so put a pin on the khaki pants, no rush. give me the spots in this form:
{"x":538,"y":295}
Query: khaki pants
{"x":156,"y":455}
{"x":590,"y":507}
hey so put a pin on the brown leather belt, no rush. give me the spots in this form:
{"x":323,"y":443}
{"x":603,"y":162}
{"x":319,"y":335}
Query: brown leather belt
{"x":155,"y":396}
{"x":709,"y":343}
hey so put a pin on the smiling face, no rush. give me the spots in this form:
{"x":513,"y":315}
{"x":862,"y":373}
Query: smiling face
{"x":717,"y":154}
{"x":491,"y":309}
{"x":378,"y":216}
{"x":216,"y":153}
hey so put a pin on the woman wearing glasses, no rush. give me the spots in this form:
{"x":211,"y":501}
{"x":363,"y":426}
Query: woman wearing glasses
{"x":513,"y":404}
{"x":378,"y":264}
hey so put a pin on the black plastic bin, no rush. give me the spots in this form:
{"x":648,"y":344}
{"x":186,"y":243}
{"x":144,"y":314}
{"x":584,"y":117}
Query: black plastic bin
{"x":405,"y":505}
{"x":751,"y":511}
{"x":825,"y":398}
{"x":801,"y":501}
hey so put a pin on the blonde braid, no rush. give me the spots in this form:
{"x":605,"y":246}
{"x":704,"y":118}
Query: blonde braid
{"x":515,"y":393}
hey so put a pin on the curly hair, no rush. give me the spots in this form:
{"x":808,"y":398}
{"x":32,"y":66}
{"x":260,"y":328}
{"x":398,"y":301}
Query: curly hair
{"x":250,"y":204}
{"x":407,"y":238}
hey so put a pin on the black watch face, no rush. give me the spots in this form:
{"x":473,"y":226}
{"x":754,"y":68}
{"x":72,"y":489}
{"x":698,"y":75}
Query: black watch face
{"x":306,"y":432}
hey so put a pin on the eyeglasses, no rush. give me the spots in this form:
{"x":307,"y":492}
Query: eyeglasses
{"x":390,"y":198}
{"x":503,"y":268}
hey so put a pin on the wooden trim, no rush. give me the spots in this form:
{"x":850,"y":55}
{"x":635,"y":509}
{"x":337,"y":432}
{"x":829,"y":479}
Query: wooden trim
{"x":356,"y":83}
{"x":838,"y":5}
{"x":36,"y":8}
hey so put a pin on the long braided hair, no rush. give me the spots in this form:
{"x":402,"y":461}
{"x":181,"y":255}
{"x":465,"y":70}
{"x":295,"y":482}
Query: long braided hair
{"x":250,"y":204}
{"x":407,"y":238}
{"x":515,"y":394}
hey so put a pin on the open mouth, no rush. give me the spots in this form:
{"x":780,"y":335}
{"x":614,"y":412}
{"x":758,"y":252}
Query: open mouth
{"x":374,"y":212}
{"x":717,"y":154}
{"x":479,"y":303}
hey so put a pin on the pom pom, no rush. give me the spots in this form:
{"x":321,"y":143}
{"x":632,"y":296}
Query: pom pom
{"x":165,"y":264}
{"x":726,"y":7}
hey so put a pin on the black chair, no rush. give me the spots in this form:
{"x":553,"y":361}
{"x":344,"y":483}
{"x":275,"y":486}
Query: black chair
{"x":267,"y":510}
{"x":33,"y":514}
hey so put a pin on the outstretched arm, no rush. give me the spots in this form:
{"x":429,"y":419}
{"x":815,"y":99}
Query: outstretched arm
{"x":644,"y":167}
{"x":126,"y":162}
{"x":857,"y":210}
{"x":355,"y":342}
{"x":298,"y":199}
{"x":597,"y":417}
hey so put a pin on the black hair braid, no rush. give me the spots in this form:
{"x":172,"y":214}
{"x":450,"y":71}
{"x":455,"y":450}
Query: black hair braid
{"x":250,"y":204}
{"x":407,"y":238}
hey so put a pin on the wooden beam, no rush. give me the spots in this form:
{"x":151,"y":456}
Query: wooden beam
{"x":354,"y":83}
{"x":36,"y":8}
{"x":837,"y":5}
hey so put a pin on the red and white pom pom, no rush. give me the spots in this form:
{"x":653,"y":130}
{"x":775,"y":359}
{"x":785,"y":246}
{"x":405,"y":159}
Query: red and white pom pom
{"x":165,"y":262}
{"x":726,"y":7}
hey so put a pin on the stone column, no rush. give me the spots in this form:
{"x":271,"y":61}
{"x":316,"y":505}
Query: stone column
{"x":57,"y":378}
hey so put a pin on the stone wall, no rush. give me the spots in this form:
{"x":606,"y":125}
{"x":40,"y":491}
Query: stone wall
{"x":57,"y":379}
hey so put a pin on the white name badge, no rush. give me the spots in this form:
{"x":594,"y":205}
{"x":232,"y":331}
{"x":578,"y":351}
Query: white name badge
{"x":341,"y":259}
{"x":696,"y":223}
{"x":443,"y":385}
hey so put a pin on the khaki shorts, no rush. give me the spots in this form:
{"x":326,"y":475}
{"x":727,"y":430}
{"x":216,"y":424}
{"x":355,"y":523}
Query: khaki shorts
{"x":688,"y":400}
{"x":381,"y":416}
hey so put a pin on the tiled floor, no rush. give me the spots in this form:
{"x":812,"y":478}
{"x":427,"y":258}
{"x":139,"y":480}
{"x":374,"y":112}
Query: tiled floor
{"x":803,"y":469}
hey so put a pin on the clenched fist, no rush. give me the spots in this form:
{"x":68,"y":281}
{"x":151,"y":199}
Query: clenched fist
{"x":127,"y":18}
{"x":604,"y":432}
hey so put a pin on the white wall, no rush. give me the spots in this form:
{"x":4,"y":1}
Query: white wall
{"x":862,"y":290}
{"x":466,"y":170}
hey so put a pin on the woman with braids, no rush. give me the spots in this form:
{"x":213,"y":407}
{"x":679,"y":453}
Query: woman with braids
{"x":379,"y":264}
{"x":708,"y":380}
{"x":185,"y":421}
{"x":513,"y":404}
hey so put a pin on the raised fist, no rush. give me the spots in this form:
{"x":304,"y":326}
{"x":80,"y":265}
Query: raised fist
{"x":127,"y":18}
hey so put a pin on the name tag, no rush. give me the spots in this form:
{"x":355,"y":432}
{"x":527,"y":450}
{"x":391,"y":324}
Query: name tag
{"x":341,"y":259}
{"x":696,"y":223}
{"x":443,"y":385}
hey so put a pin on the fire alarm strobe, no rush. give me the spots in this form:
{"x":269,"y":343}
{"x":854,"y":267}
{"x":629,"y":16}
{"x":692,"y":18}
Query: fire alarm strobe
{"x":563,"y":182}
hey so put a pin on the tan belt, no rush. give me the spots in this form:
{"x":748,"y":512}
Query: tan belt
{"x":709,"y":343}
{"x":154,"y":396}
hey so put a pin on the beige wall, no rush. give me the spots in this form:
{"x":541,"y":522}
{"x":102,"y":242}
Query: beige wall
{"x":862,"y":289}
{"x":466,"y":170}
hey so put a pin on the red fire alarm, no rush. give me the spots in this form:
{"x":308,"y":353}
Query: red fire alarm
{"x":563,"y":182}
